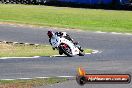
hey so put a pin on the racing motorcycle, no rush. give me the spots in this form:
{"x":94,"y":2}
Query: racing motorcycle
{"x":66,"y":46}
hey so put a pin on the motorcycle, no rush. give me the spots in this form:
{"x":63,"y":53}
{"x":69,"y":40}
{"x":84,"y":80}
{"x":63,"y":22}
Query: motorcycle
{"x":65,"y":46}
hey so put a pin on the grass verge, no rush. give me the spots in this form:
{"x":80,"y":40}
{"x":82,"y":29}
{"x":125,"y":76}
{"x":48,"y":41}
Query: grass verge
{"x":9,"y":50}
{"x":86,"y":19}
{"x":30,"y":83}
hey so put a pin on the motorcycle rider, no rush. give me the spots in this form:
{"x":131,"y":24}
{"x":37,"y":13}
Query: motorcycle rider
{"x":51,"y":34}
{"x":65,"y":35}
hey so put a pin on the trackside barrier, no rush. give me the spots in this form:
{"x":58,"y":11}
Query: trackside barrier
{"x":20,"y":43}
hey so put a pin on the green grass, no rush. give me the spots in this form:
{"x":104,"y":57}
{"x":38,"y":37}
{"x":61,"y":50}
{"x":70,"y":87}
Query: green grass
{"x":25,"y":50}
{"x":9,"y":50}
{"x":86,"y":19}
{"x":30,"y":83}
{"x":88,"y":50}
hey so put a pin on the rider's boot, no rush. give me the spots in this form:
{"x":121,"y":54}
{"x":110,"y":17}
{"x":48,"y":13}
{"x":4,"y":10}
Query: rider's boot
{"x":80,"y":48}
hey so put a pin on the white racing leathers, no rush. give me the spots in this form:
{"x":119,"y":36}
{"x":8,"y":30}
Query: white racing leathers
{"x":65,"y":46}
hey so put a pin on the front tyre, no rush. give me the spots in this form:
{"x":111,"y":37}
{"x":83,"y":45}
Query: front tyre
{"x":60,"y":52}
{"x":66,"y":50}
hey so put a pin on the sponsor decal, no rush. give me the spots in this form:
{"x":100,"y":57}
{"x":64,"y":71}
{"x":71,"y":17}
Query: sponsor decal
{"x":83,"y":78}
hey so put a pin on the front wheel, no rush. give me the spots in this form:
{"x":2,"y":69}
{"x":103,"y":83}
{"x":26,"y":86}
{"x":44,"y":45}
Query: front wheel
{"x":66,"y":50}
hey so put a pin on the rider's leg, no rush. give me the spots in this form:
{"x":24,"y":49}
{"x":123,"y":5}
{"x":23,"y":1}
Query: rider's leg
{"x":75,"y":43}
{"x":80,"y":48}
{"x":68,"y":37}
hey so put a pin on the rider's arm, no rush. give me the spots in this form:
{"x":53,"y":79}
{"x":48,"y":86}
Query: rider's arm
{"x":59,"y":34}
{"x":51,"y":44}
{"x":50,"y":41}
{"x":64,"y":34}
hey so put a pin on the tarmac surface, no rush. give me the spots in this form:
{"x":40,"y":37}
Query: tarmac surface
{"x":115,"y":56}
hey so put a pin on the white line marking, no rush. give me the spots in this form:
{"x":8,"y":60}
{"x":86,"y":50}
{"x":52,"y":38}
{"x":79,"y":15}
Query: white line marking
{"x":36,"y":44}
{"x":128,"y":33}
{"x":26,"y":43}
{"x":116,"y":33}
{"x":4,"y":41}
{"x":15,"y":42}
{"x":25,"y":78}
{"x":41,"y":77}
{"x":36,"y":56}
{"x":96,"y":51}
{"x":65,"y":76}
{"x":100,"y":32}
{"x":57,"y":55}
{"x":18,"y":57}
{"x":7,"y":79}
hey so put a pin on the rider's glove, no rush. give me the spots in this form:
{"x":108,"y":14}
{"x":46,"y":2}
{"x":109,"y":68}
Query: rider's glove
{"x":53,"y":48}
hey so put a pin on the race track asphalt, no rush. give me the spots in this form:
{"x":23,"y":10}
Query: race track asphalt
{"x":115,"y":56}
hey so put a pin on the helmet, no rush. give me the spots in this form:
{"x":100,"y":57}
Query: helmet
{"x":50,"y":34}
